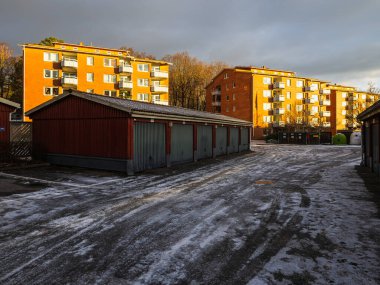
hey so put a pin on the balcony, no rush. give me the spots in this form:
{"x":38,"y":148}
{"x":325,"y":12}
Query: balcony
{"x":278,"y":124}
{"x":125,"y":84}
{"x":325,"y":102}
{"x":69,"y":62}
{"x":325,"y":91}
{"x":279,"y":111}
{"x":310,"y":88}
{"x":159,"y":89}
{"x":306,"y":101}
{"x":166,"y":103}
{"x":279,"y":98}
{"x":69,"y":80}
{"x":278,"y":85}
{"x":124,"y":68}
{"x":325,"y":114}
{"x":159,"y":74}
{"x":326,"y":124}
{"x":216,"y":103}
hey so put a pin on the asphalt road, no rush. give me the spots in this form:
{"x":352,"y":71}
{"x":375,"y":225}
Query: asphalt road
{"x":280,"y":215}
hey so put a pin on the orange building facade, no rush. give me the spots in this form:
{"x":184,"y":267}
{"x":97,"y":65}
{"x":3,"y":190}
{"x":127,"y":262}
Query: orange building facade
{"x":280,"y":100}
{"x":48,"y":70}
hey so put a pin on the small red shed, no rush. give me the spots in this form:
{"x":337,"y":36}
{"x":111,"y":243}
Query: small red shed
{"x":6,"y":108}
{"x":98,"y":131}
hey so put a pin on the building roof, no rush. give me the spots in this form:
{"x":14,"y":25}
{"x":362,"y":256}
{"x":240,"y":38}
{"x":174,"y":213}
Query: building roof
{"x":9,"y":103}
{"x":370,"y":112}
{"x":139,"y":109}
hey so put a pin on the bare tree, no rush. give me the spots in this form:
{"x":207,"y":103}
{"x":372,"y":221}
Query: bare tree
{"x":5,"y":68}
{"x":138,"y":54}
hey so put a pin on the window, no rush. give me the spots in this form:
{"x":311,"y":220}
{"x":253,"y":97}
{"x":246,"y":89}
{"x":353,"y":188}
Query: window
{"x":90,"y":60}
{"x":156,"y":98}
{"x":51,"y":91}
{"x":50,"y":56}
{"x":364,"y":96}
{"x":233,"y":109}
{"x":227,"y":109}
{"x":344,"y":112}
{"x":233,"y":97}
{"x":90,"y":77}
{"x":299,"y":96}
{"x":314,"y":110}
{"x":225,"y":75}
{"x":110,"y":62}
{"x":288,"y":82}
{"x":267,"y":93}
{"x":299,"y":83}
{"x":288,"y":95}
{"x":109,"y":78}
{"x":90,"y":90}
{"x":267,"y":106}
{"x":267,"y":80}
{"x":344,"y":121}
{"x":267,"y":119}
{"x":143,"y":67}
{"x":289,"y":107}
{"x":299,"y":108}
{"x":314,"y":98}
{"x":227,"y":97}
{"x":50,"y":73}
{"x":314,"y":121}
{"x":142,"y":82}
{"x":344,"y":104}
{"x":344,"y":94}
{"x":111,"y":93}
{"x":142,"y":96}
{"x":233,"y":85}
{"x":299,"y":120}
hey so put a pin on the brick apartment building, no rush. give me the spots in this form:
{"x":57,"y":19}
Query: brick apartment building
{"x":278,"y":99}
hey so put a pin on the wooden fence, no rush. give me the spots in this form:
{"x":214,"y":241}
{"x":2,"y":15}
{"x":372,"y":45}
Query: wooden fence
{"x":20,"y":145}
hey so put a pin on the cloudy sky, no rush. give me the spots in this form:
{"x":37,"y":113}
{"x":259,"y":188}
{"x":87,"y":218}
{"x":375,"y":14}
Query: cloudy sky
{"x":336,"y":40}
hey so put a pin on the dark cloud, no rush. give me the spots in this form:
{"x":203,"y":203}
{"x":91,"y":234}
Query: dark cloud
{"x":337,"y":39}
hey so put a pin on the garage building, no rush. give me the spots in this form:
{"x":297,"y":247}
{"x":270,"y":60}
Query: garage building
{"x":371,"y":137}
{"x":97,"y":131}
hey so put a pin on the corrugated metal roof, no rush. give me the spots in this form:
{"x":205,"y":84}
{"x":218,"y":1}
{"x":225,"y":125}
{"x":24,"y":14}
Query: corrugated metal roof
{"x":9,"y":103}
{"x":144,"y":109}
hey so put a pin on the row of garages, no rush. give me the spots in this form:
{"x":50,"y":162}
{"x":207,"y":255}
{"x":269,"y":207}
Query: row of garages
{"x":371,"y":137}
{"x":96,"y":131}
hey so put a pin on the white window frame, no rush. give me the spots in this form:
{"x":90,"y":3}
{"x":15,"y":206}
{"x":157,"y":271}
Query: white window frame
{"x":90,"y":77}
{"x":267,"y":106}
{"x":90,"y":90}
{"x":289,"y":107}
{"x":143,"y":97}
{"x":288,"y":82}
{"x":143,"y":67}
{"x":267,"y":119}
{"x":51,"y":91}
{"x":109,"y":93}
{"x":267,"y":80}
{"x":90,"y":60}
{"x":267,"y":93}
{"x":109,"y":62}
{"x":156,"y":97}
{"x":299,"y":96}
{"x":299,"y":108}
{"x":288,"y":95}
{"x":143,"y":82}
{"x":51,"y":73}
{"x":299,"y":83}
{"x":109,"y":78}
{"x":48,"y":56}
{"x":344,"y":94}
{"x":344,"y":104}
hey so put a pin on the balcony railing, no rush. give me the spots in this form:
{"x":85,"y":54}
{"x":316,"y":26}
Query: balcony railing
{"x":310,"y":88}
{"x":279,"y":98}
{"x":216,"y":103}
{"x":162,"y":89}
{"x":124,"y":68}
{"x":159,"y":74}
{"x":325,"y":114}
{"x":306,"y":101}
{"x":279,"y":111}
{"x":279,"y":85}
{"x":325,"y":102}
{"x":325,"y":91}
{"x":326,"y":124}
{"x":69,"y":62}
{"x":125,"y":84}
{"x":69,"y":80}
{"x":278,"y":124}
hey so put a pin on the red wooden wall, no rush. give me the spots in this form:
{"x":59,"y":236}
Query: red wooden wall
{"x":5,"y":110}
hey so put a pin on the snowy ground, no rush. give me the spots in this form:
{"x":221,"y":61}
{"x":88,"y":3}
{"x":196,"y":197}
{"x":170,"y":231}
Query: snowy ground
{"x":281,"y":215}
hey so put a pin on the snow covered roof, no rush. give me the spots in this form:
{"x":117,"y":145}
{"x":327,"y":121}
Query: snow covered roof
{"x":147,"y":110}
{"x":9,"y":103}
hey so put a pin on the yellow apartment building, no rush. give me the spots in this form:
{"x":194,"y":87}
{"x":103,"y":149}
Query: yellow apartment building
{"x":278,"y":100}
{"x":48,"y":70}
